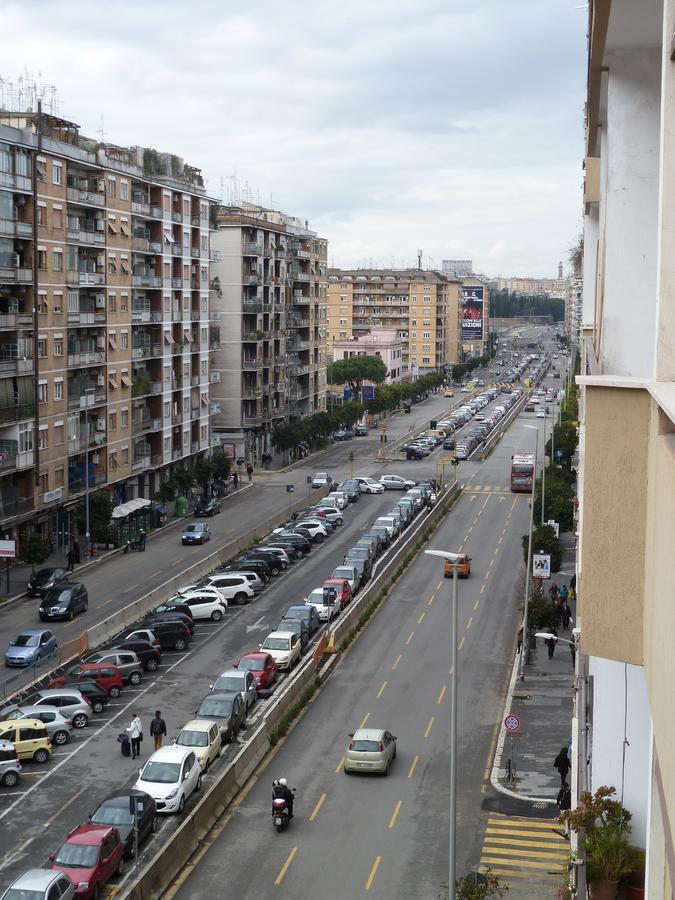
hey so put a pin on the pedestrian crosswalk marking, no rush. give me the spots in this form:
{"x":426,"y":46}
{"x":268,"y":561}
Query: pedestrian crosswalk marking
{"x":486,"y":489}
{"x":517,"y":848}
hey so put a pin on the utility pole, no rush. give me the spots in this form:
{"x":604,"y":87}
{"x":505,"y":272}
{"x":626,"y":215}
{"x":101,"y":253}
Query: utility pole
{"x":36,"y":321}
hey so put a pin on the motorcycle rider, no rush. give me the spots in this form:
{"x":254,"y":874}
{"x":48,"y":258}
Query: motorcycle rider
{"x":281,"y":791}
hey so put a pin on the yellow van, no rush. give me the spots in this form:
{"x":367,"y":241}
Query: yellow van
{"x":449,"y":392}
{"x":463,"y":567}
{"x":29,"y":737}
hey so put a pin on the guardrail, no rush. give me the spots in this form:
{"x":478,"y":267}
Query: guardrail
{"x":498,"y":433}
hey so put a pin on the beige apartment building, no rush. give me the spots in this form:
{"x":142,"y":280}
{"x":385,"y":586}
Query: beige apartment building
{"x":625,"y":727}
{"x":420,"y":306}
{"x":270,"y":271}
{"x":110,"y":375}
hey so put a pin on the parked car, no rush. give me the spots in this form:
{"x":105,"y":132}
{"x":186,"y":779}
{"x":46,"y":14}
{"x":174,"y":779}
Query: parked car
{"x":96,"y":696}
{"x":369,"y":485}
{"x":228,"y":711}
{"x":69,"y":701}
{"x":59,"y":727}
{"x":349,"y":574}
{"x":328,"y":513}
{"x":361,"y":564}
{"x":10,"y":767}
{"x":44,"y":579}
{"x":106,"y":675}
{"x":297,"y":627}
{"x":170,"y":776}
{"x":208,"y":507}
{"x":360,"y":431}
{"x":202,"y":736}
{"x":283,"y":647}
{"x":233,"y":681}
{"x":125,"y":661}
{"x":341,"y":587}
{"x":196,"y":533}
{"x":340,"y":497}
{"x":303,"y":546}
{"x":232,"y":587}
{"x":30,"y":646}
{"x":90,"y":856}
{"x":167,"y":635}
{"x":149,"y":655}
{"x":171,"y":618}
{"x":205,"y":606}
{"x":396,"y":483}
{"x":175,"y":605}
{"x":343,"y":434}
{"x":383,"y":532}
{"x":308,"y":614}
{"x":325,"y":603}
{"x":40,"y":884}
{"x":352,"y":489}
{"x":262,"y":666}
{"x":370,"y":750}
{"x":390,"y":524}
{"x":320,"y":479}
{"x":116,"y":810}
{"x":63,"y":602}
{"x":29,"y":737}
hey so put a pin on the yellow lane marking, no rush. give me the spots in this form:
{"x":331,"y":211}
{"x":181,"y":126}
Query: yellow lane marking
{"x":155,"y":574}
{"x":527,"y":854}
{"x":365,"y":719}
{"x":461,"y":644}
{"x":531,"y":864}
{"x":373,"y":873}
{"x":557,"y":845}
{"x":431,"y":599}
{"x":475,"y":521}
{"x":413,"y":765}
{"x":515,"y":500}
{"x":381,"y":690}
{"x":284,"y":868}
{"x":398,"y":660}
{"x":429,"y":727}
{"x":476,"y":605}
{"x":450,"y":671}
{"x":340,"y":765}
{"x":487,"y":574}
{"x":395,"y":813}
{"x":482,"y":588}
{"x":318,"y":806}
{"x":69,"y":624}
{"x":500,"y":540}
{"x":133,"y":586}
{"x":438,"y":586}
{"x":468,"y":624}
{"x":441,"y":695}
{"x":492,"y":562}
{"x":466,"y":538}
{"x":419,"y":621}
{"x":105,"y":603}
{"x":508,"y":829}
{"x":410,"y":637}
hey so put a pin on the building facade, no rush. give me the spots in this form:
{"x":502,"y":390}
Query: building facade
{"x":270,"y":272}
{"x":420,"y":306}
{"x":625,"y":731}
{"x":104,"y":320}
{"x":554,"y":287}
{"x":457,"y":268}
{"x":478,"y":342}
{"x":380,"y":342}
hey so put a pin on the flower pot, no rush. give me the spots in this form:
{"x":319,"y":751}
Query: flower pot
{"x":606,"y":891}
{"x":635,"y":893}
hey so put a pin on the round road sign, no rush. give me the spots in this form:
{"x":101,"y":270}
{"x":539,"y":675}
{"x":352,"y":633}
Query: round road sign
{"x":512,"y":723}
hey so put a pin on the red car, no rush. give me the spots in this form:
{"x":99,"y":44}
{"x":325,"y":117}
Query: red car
{"x":91,"y":855}
{"x":262,"y":666}
{"x":343,"y":589}
{"x":105,"y":676}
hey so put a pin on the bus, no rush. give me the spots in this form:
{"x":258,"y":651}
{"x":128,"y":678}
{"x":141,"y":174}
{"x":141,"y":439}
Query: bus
{"x":522,"y":472}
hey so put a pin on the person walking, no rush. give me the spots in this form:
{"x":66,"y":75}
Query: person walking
{"x":71,"y":560}
{"x":235,"y":480}
{"x":564,"y":799}
{"x":135,"y":732}
{"x":76,"y":551}
{"x":562,"y":764}
{"x":249,"y":471}
{"x":158,"y":729}
{"x":565,"y":614}
{"x":142,"y":537}
{"x":550,"y":643}
{"x":573,"y":582}
{"x":563,"y":592}
{"x":553,"y":591}
{"x":519,"y":638}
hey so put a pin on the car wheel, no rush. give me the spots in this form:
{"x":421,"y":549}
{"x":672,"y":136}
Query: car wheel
{"x":386,"y":771}
{"x":71,"y":615}
{"x":135,"y":678}
{"x":120,"y":868}
{"x":80,"y":720}
{"x":97,"y":706}
{"x":154,"y":826}
{"x":339,"y":521}
{"x":86,"y":606}
{"x":41,"y":755}
{"x":240,"y":598}
{"x":318,"y":538}
{"x":276,"y":571}
{"x":216,"y":615}
{"x":181,"y":805}
{"x":60,"y":738}
{"x":9,"y":779}
{"x":179,"y":644}
{"x":199,"y":782}
{"x":151,"y":665}
{"x":346,"y":770}
{"x":113,"y":692}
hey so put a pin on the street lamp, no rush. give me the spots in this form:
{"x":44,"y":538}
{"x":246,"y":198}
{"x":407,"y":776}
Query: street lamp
{"x":526,"y":646}
{"x":454,"y":559}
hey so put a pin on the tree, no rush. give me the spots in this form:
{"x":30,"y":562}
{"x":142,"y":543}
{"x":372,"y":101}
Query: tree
{"x":167,"y":491}
{"x":221,"y":466}
{"x":100,"y":515}
{"x":355,"y":370}
{"x":36,"y":550}
{"x":184,"y":480}
{"x":203,"y":472}
{"x":544,"y":541}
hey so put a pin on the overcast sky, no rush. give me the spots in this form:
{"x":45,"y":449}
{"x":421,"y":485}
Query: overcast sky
{"x":454,"y":126}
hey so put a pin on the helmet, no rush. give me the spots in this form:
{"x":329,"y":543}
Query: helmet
{"x":283,"y":782}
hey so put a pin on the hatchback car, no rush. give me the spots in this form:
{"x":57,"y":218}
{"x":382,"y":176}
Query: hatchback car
{"x":149,"y":655}
{"x":90,"y":856}
{"x":69,"y":701}
{"x":370,"y":750}
{"x":228,"y":711}
{"x":352,"y":489}
{"x":205,"y":606}
{"x":171,"y":635}
{"x":369,"y":485}
{"x":170,"y":776}
{"x":232,"y":586}
{"x":116,"y":810}
{"x":233,"y":681}
{"x":30,"y":646}
{"x":209,"y":508}
{"x":325,"y":603}
{"x":104,"y":674}
{"x":320,"y":479}
{"x":283,"y":647}
{"x":463,"y":567}
{"x":350,"y":574}
{"x":10,"y":767}
{"x":63,"y":602}
{"x":342,"y":588}
{"x":196,"y":533}
{"x":298,"y":627}
{"x":125,"y":661}
{"x":262,"y":667}
{"x":203,"y":737}
{"x":40,"y":884}
{"x":396,"y":483}
{"x":308,"y":614}
{"x":44,"y":579}
{"x":59,"y":727}
{"x":29,"y":737}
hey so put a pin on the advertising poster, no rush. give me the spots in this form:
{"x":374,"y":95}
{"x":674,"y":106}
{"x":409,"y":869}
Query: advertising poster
{"x":471,"y":313}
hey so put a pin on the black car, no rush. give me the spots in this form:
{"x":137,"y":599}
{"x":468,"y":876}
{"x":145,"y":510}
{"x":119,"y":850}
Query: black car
{"x":171,"y":616}
{"x":94,"y":693}
{"x":352,"y":489}
{"x":149,"y":656}
{"x":176,"y":606}
{"x":361,"y":565}
{"x":44,"y":579}
{"x":171,"y":635}
{"x":295,"y":626}
{"x":302,"y":546}
{"x":116,"y":810}
{"x":379,"y":539}
{"x":413,"y":453}
{"x":306,"y":613}
{"x":449,"y":443}
{"x":384,"y":532}
{"x":250,"y":556}
{"x":208,"y":508}
{"x":63,"y":602}
{"x":273,"y":560}
{"x":259,"y":568}
{"x":227,"y":710}
{"x":271,"y":545}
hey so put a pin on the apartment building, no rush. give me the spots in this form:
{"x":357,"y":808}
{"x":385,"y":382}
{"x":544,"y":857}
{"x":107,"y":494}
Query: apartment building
{"x":380,"y":342}
{"x":420,"y":306}
{"x":270,"y":271}
{"x":104,"y":320}
{"x":625,"y":728}
{"x":474,"y":316}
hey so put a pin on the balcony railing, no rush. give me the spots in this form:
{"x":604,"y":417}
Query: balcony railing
{"x":88,"y":358}
{"x":147,"y":281}
{"x":252,"y":248}
{"x":251,"y":306}
{"x":20,"y":182}
{"x":14,"y":462}
{"x":14,"y":272}
{"x":89,"y":198}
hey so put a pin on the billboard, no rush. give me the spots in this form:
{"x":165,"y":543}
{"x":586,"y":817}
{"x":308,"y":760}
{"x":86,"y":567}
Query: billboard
{"x":471,"y":312}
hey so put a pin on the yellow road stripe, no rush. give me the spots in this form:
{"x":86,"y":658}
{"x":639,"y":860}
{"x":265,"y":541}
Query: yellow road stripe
{"x":155,"y":574}
{"x":475,"y":606}
{"x":466,"y":538}
{"x":438,"y":586}
{"x":524,"y":863}
{"x":429,"y":727}
{"x":431,"y":599}
{"x":373,"y":872}
{"x":365,"y":719}
{"x":413,"y":765}
{"x":492,"y":562}
{"x":487,"y":575}
{"x":126,"y":590}
{"x":419,"y":621}
{"x":284,"y":868}
{"x":506,"y":831}
{"x":340,"y":765}
{"x":381,"y":690}
{"x":544,"y":844}
{"x":482,"y":589}
{"x":441,"y":695}
{"x":518,"y":853}
{"x":410,"y":637}
{"x":468,"y":624}
{"x":398,"y":660}
{"x":544,"y":824}
{"x":450,"y":671}
{"x":394,"y":815}
{"x":461,"y":644}
{"x":500,"y":540}
{"x":511,"y":873}
{"x":318,"y":806}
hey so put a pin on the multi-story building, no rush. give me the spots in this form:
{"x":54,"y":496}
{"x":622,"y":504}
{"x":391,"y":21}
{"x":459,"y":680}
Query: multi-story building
{"x":474,"y":333}
{"x":380,"y":342}
{"x":625,"y":727}
{"x":420,"y":306}
{"x":459,"y":268}
{"x":270,"y":274}
{"x":573,"y":306}
{"x":554,"y":287}
{"x":107,"y":381}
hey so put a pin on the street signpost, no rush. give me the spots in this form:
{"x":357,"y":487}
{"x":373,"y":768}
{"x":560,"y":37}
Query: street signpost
{"x":512,"y":725}
{"x":7,"y":552}
{"x":541,"y":565}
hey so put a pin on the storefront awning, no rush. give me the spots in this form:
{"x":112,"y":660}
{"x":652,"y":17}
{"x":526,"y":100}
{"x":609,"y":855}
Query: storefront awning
{"x":131,"y":506}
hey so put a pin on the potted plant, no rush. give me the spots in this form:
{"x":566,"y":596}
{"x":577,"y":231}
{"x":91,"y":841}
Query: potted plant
{"x":635,"y":882}
{"x":605,"y":824}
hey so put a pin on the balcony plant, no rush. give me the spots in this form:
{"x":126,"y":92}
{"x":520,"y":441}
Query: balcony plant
{"x":142,"y":385}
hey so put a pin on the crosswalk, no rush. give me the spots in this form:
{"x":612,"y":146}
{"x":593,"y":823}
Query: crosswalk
{"x":485,"y":489}
{"x":526,"y":854}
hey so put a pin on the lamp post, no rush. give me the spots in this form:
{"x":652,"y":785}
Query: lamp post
{"x":543,"y":469}
{"x":454,"y":559}
{"x":526,"y":644}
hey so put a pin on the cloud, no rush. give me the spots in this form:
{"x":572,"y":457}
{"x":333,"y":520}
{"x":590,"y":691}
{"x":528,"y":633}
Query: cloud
{"x":452,"y":125}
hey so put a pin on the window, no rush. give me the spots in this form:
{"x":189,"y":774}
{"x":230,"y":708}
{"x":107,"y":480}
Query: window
{"x":25,"y":438}
{"x":42,"y":214}
{"x":57,"y":173}
{"x":426,"y":334}
{"x":59,"y":471}
{"x":58,"y":434}
{"x":57,"y":346}
{"x":167,"y":409}
{"x":42,"y":392}
{"x":112,"y":265}
{"x":125,"y":456}
{"x":111,"y":186}
{"x":425,"y":359}
{"x":41,"y":166}
{"x":124,"y":303}
{"x":58,"y":390}
{"x":112,"y":340}
{"x":44,"y":433}
{"x":124,"y":189}
{"x":57,"y":261}
{"x":112,"y":303}
{"x":112,"y":459}
{"x":42,"y":347}
{"x":124,"y":418}
{"x":112,"y":421}
{"x":124,"y":341}
{"x":167,"y":445}
{"x":427,"y":299}
{"x":203,"y":433}
{"x":414,"y":322}
{"x":57,"y":217}
{"x":58,"y":303}
{"x":42,"y":259}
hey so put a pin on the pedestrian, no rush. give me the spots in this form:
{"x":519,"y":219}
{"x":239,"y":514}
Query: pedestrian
{"x":571,"y":594}
{"x":249,"y":471}
{"x":141,"y":541}
{"x":565,"y":614}
{"x":135,"y":732}
{"x":76,"y":551}
{"x":573,"y":582}
{"x":235,"y":480}
{"x":550,"y":642}
{"x":553,"y":591}
{"x":158,"y":729}
{"x":519,"y":638}
{"x":563,"y":592}
{"x":71,"y":560}
{"x":564,"y":800}
{"x":562,"y":764}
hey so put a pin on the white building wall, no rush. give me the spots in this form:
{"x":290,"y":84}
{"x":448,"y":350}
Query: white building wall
{"x":227,"y":360}
{"x":620,"y":700}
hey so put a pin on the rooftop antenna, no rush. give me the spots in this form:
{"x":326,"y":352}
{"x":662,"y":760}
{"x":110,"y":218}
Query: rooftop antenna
{"x":420,"y":254}
{"x":100,"y":131}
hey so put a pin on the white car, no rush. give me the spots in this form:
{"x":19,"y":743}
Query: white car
{"x":369,"y":485}
{"x":254,"y":580}
{"x":204,"y":605}
{"x":202,"y":736}
{"x":283,"y":647}
{"x":350,"y":574}
{"x":237,"y":681}
{"x":316,"y":530}
{"x":541,"y":413}
{"x":170,"y":776}
{"x":208,"y":590}
{"x":396,"y":483}
{"x":326,"y":609}
{"x":232,"y":586}
{"x":320,"y":479}
{"x":341,"y":498}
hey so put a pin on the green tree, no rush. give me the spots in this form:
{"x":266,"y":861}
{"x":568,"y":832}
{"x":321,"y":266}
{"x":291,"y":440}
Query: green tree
{"x":100,"y":515}
{"x":184,"y":479}
{"x":355,"y":370}
{"x":36,"y":550}
{"x":544,"y":541}
{"x":166,"y":491}
{"x":221,"y":466}
{"x":203,"y":472}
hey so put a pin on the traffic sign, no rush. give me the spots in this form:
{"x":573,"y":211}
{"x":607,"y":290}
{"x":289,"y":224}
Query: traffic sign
{"x":512,"y":723}
{"x":8,"y":549}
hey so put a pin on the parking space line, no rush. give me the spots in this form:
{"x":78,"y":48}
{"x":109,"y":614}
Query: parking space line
{"x":413,"y":766}
{"x":66,"y":805}
{"x":398,"y":660}
{"x":429,"y":727}
{"x":318,"y":806}
{"x":440,"y":696}
{"x":373,"y":873}
{"x":381,"y":690}
{"x":410,"y":637}
{"x":284,"y":868}
{"x":394,"y":815}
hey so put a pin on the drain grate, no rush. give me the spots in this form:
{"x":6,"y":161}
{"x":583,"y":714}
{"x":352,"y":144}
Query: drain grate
{"x":540,"y":805}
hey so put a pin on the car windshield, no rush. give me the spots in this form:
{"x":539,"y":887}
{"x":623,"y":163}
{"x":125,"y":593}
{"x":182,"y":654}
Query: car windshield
{"x":358,"y":554}
{"x":220,"y":708}
{"x":228,"y":683}
{"x":279,"y":643}
{"x":77,"y":856}
{"x":193,"y":739}
{"x":44,"y":574}
{"x":57,"y":596}
{"x":365,"y":746}
{"x":193,"y":528}
{"x":113,"y":815}
{"x":314,"y":597}
{"x":23,"y":894}
{"x":161,"y":772}
{"x":289,"y":625}
{"x":26,"y":640}
{"x":249,"y":664}
{"x":298,"y":612}
{"x":343,"y":573}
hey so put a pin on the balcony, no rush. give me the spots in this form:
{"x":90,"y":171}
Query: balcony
{"x":141,"y":209}
{"x":251,"y":392}
{"x":86,"y":198}
{"x":87,"y":358}
{"x":146,"y":281}
{"x":251,"y":280}
{"x":251,"y":306}
{"x":140,"y":244}
{"x":15,"y":462}
{"x":177,"y":217}
{"x":299,"y":276}
{"x":10,"y":414}
{"x":251,"y":421}
{"x":301,"y":254}
{"x":14,"y":272}
{"x":15,"y":320}
{"x":85,"y":279}
{"x":18,"y":182}
{"x":84,"y":401}
{"x":11,"y":364}
{"x":214,"y":377}
{"x":252,"y":248}
{"x":142,"y":463}
{"x":194,"y":412}
{"x":14,"y":228}
{"x":141,"y":424}
{"x":252,"y":335}
{"x":194,"y":381}
{"x":141,"y":312}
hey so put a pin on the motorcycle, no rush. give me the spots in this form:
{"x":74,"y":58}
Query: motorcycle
{"x":280,"y":813}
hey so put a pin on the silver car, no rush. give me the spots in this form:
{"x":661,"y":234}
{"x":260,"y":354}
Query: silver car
{"x":10,"y":767}
{"x":370,"y":750}
{"x":70,"y":703}
{"x":237,"y":681}
{"x":41,"y":884}
{"x":130,"y":666}
{"x":59,"y":727}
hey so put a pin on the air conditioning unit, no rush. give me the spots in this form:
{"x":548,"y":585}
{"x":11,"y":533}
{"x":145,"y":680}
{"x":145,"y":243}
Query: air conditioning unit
{"x":101,"y":184}
{"x":94,"y":458}
{"x":100,"y":224}
{"x":100,"y":301}
{"x":100,"y":259}
{"x":100,"y":381}
{"x":100,"y":424}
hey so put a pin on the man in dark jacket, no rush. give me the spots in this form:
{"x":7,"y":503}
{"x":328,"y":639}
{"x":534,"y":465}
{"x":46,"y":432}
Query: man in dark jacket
{"x":281,"y":791}
{"x":158,"y":729}
{"x":562,"y":764}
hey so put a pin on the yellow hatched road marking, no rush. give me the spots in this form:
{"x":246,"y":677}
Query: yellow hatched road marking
{"x":381,"y":690}
{"x":398,"y":660}
{"x":461,"y":644}
{"x":364,"y":720}
{"x":513,"y":873}
{"x":555,"y":845}
{"x":482,"y":588}
{"x":429,"y":727}
{"x":469,"y":623}
{"x":340,"y":765}
{"x":284,"y":868}
{"x":518,"y":852}
{"x":373,"y":872}
{"x":526,"y":863}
